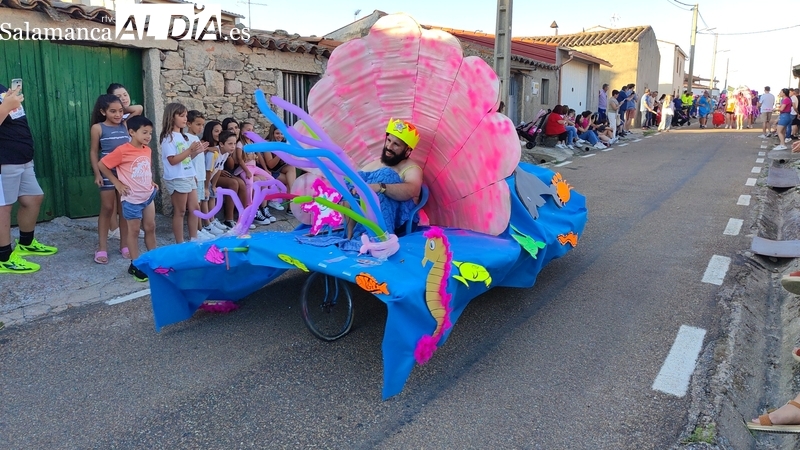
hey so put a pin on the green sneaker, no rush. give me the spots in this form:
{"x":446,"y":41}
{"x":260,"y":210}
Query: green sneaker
{"x":35,"y":249}
{"x":16,"y":264}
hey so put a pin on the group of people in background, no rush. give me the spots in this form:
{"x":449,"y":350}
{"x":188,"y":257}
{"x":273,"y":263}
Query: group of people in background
{"x":197,"y":157}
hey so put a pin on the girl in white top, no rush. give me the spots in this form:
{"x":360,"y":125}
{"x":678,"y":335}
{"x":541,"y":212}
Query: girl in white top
{"x":180,"y":181}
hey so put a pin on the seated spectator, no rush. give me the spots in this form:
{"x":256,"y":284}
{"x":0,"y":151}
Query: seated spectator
{"x":277,"y":167}
{"x":556,"y":126}
{"x":583,"y":123}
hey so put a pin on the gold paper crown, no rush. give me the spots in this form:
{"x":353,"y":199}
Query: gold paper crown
{"x":404,"y":130}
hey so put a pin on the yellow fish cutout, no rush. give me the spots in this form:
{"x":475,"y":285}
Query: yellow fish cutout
{"x":472,"y":272}
{"x":289,"y":260}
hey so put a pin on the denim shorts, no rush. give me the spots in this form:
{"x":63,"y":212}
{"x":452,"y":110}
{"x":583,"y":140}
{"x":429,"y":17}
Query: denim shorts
{"x":201,"y":190}
{"x":131,"y":211}
{"x":785,"y":119}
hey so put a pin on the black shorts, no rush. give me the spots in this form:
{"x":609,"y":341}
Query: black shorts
{"x":796,"y":121}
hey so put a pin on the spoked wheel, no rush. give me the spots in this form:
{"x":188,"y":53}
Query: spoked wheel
{"x":327,"y":306}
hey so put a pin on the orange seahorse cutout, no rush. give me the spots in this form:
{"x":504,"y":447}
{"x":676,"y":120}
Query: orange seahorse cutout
{"x":569,"y":238}
{"x":562,"y":189}
{"x":437,"y":299}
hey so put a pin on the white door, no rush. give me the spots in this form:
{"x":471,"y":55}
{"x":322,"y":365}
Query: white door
{"x":574,"y":80}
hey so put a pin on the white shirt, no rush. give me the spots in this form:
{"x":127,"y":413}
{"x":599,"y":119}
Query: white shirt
{"x":767,"y":101}
{"x":198,"y":161}
{"x":215,"y":161}
{"x":172,"y":145}
{"x":794,"y":105}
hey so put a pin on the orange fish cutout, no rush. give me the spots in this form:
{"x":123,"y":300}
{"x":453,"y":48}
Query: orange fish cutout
{"x":368,"y":283}
{"x":561,"y":188}
{"x":569,"y":238}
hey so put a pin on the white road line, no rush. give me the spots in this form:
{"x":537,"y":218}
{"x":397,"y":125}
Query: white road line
{"x":607,"y":149}
{"x":648,"y":137}
{"x":129,"y":297}
{"x":716,"y":270}
{"x":744,"y":200}
{"x":734,"y":227}
{"x":636,"y":140}
{"x":751,"y":182}
{"x":623,"y":145}
{"x":763,"y":146}
{"x":589,"y":155}
{"x":675,"y":374}
{"x":563,"y":164}
{"x":759,"y":160}
{"x":762,"y":153}
{"x":755,"y":170}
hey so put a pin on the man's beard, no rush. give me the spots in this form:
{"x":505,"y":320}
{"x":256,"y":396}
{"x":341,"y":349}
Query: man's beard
{"x":391,"y":161}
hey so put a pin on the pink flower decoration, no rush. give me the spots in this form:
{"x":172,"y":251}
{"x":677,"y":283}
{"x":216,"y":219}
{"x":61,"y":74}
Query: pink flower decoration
{"x":214,"y":255}
{"x":322,"y":215}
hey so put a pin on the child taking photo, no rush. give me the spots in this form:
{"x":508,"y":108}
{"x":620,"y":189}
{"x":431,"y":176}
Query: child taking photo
{"x":134,"y":182}
{"x":180,"y":181}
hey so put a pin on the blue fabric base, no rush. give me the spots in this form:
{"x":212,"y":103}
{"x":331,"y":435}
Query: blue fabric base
{"x":181,"y":278}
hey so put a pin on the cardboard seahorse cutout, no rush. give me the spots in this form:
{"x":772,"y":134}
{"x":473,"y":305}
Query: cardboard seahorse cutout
{"x":437,"y":251}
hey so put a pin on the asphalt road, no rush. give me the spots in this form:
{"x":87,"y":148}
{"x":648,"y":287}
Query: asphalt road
{"x":567,"y":364}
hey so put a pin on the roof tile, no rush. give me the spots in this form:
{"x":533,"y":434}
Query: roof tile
{"x":614,"y":36}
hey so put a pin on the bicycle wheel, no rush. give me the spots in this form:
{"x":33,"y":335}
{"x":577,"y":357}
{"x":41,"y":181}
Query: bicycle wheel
{"x":327,"y":306}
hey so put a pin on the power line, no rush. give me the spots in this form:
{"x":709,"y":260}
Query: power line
{"x":753,"y":32}
{"x":671,"y":2}
{"x":684,"y":4}
{"x":701,"y":18}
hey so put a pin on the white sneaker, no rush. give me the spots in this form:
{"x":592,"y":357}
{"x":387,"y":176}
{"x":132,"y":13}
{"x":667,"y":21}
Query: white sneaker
{"x":261,"y":219}
{"x":276,"y":205}
{"x":763,"y":136}
{"x":269,"y":216}
{"x":205,"y":234}
{"x":113,"y":234}
{"x":787,"y":140}
{"x":599,"y":146}
{"x":218,"y":225}
{"x":200,"y":238}
{"x":779,"y":147}
{"x":579,"y":141}
{"x":213,"y":230}
{"x":561,"y":146}
{"x":571,"y":147}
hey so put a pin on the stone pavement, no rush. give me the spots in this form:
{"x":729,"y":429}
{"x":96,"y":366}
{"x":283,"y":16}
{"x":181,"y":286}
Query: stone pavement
{"x":71,"y":278}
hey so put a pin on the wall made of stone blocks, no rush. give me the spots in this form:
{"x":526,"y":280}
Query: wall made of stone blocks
{"x":219,"y":79}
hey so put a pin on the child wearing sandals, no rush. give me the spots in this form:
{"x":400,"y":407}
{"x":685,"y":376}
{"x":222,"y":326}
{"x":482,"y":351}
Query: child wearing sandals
{"x":107,"y":133}
{"x":134,"y":181}
{"x":177,"y":151}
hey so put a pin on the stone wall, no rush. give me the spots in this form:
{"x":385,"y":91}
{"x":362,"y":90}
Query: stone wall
{"x":219,"y":78}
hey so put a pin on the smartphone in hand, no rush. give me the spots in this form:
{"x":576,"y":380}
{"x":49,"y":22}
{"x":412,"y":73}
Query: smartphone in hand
{"x":16,"y":83}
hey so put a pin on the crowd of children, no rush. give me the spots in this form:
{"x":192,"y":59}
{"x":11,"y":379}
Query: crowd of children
{"x":197,"y":157}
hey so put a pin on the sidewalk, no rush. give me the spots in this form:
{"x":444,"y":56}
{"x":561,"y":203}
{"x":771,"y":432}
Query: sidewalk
{"x":71,"y":278}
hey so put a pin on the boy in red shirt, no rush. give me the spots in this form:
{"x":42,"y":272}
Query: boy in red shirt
{"x":135,"y":184}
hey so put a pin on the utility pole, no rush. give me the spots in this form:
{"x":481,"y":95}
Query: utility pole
{"x":727,"y":62}
{"x":502,"y":49}
{"x":714,"y":62}
{"x":691,"y":51}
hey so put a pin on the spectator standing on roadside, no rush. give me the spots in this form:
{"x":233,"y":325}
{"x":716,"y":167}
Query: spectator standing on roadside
{"x":791,"y":132}
{"x":18,"y":184}
{"x":622,"y":98}
{"x":646,"y":109}
{"x":630,"y":113}
{"x":602,"y":102}
{"x":613,"y":115}
{"x":766,"y":103}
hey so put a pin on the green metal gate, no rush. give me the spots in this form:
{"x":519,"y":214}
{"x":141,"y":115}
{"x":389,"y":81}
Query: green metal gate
{"x":61,"y":83}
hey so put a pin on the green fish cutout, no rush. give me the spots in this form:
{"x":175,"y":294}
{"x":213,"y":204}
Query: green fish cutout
{"x":530,"y":244}
{"x":472,"y":272}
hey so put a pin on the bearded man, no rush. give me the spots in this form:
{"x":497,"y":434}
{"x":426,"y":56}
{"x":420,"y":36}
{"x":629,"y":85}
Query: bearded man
{"x":394,"y":177}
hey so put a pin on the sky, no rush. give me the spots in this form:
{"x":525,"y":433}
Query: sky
{"x":755,"y":60}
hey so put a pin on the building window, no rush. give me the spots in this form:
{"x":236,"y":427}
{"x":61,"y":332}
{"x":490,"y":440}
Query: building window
{"x":677,"y":64}
{"x":295,"y":90}
{"x":545,"y":91}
